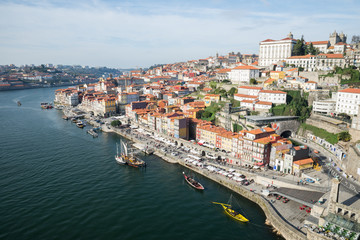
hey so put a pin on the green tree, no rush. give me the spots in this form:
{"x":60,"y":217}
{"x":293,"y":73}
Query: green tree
{"x":344,"y":136}
{"x":115,"y":123}
{"x":237,"y":127}
{"x":299,"y":47}
{"x":213,"y":85}
{"x":310,"y":49}
{"x":232,"y":91}
{"x":253,"y":81}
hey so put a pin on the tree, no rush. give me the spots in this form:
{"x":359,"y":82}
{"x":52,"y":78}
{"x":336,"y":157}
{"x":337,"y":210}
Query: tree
{"x":299,"y":48}
{"x":253,"y":81}
{"x":232,"y":91}
{"x":310,"y":49}
{"x":344,"y":136}
{"x":115,"y":123}
{"x":213,"y":85}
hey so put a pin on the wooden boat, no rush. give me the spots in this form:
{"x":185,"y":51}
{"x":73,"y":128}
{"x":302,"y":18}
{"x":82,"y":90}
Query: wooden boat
{"x":130,"y":159}
{"x":80,"y":124}
{"x":232,"y":213}
{"x":46,"y":105}
{"x":192,"y":182}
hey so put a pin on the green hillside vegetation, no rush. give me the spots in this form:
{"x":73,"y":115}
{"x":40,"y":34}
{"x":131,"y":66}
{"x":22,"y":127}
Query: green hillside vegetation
{"x":209,"y":113}
{"x":295,"y":106}
{"x":321,"y":133}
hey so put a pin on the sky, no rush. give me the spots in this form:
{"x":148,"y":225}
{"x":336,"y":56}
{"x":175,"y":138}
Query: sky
{"x":132,"y":34}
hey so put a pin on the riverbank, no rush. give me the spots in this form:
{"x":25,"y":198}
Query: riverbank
{"x":252,"y":192}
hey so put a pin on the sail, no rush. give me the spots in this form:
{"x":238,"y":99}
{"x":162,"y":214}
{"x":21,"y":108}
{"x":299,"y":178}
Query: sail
{"x":125,"y":148}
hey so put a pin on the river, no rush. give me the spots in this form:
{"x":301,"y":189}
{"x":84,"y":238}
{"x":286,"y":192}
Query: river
{"x":57,"y":182}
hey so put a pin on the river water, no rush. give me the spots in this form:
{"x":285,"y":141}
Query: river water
{"x":57,"y":182}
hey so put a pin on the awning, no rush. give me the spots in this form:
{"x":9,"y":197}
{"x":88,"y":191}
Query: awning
{"x":259,"y":163}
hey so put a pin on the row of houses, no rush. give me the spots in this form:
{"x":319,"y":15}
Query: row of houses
{"x":260,"y":146}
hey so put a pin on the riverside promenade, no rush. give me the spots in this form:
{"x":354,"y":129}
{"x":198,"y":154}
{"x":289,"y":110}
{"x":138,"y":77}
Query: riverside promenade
{"x":276,"y":214}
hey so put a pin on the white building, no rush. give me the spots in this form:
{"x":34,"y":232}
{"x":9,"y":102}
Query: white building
{"x":324,"y":106}
{"x":276,"y":97}
{"x":348,"y":101}
{"x":249,"y":90}
{"x":327,"y":62}
{"x":243,"y":74}
{"x":240,"y":97}
{"x":356,"y":121}
{"x":262,"y":105}
{"x":272,"y":51}
{"x":308,"y":62}
{"x":322,"y":46}
{"x":320,"y":62}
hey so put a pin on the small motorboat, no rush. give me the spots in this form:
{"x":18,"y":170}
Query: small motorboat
{"x":192,"y":182}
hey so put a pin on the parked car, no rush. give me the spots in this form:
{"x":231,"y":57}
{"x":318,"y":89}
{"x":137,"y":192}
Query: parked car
{"x":309,"y":180}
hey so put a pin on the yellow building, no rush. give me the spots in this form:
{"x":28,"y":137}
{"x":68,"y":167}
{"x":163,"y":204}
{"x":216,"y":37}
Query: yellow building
{"x":277,"y":75}
{"x":209,"y":98}
{"x":269,"y":82}
{"x":303,"y":164}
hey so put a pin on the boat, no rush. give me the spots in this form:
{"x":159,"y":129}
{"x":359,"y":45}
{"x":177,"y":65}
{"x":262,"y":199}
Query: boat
{"x":232,"y":213}
{"x":192,"y":182}
{"x":65,"y":117}
{"x":120,"y":157}
{"x":19,"y":103}
{"x":92,"y":133}
{"x":46,"y":105}
{"x":80,"y":124}
{"x":130,"y":159}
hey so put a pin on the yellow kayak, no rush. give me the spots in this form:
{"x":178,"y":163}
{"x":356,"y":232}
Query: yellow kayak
{"x":232,"y":213}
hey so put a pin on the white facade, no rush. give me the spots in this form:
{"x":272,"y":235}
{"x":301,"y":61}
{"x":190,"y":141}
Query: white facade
{"x":243,"y":74}
{"x":320,"y":62}
{"x":308,"y":62}
{"x":272,"y":51}
{"x":348,"y":101}
{"x":276,"y":97}
{"x":248,"y":90}
{"x":240,"y":97}
{"x":324,"y":106}
{"x":263,"y":105}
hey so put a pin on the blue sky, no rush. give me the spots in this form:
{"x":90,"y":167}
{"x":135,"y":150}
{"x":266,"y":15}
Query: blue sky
{"x":128,"y":34}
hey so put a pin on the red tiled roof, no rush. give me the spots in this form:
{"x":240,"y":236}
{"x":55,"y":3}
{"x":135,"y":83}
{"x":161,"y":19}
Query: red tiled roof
{"x":245,"y":68}
{"x":249,"y":87}
{"x":351,"y":90}
{"x":303,"y":161}
{"x":317,"y":42}
{"x":272,"y":91}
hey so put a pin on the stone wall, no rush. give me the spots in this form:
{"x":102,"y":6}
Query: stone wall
{"x":355,"y":135}
{"x":312,"y":76}
{"x":318,"y":95}
{"x":323,"y":125}
{"x":352,"y":163}
{"x":287,"y":230}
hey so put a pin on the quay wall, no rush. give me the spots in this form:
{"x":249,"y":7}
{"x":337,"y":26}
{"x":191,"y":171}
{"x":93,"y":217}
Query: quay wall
{"x":283,"y":227}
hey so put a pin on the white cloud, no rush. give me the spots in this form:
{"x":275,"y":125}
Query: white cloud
{"x":126,"y":36}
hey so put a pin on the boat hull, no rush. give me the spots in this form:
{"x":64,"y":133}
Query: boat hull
{"x":120,"y":160}
{"x":193,"y":183}
{"x":233,"y":214}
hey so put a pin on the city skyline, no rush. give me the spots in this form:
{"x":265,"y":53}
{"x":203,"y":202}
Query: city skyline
{"x":140,"y":34}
